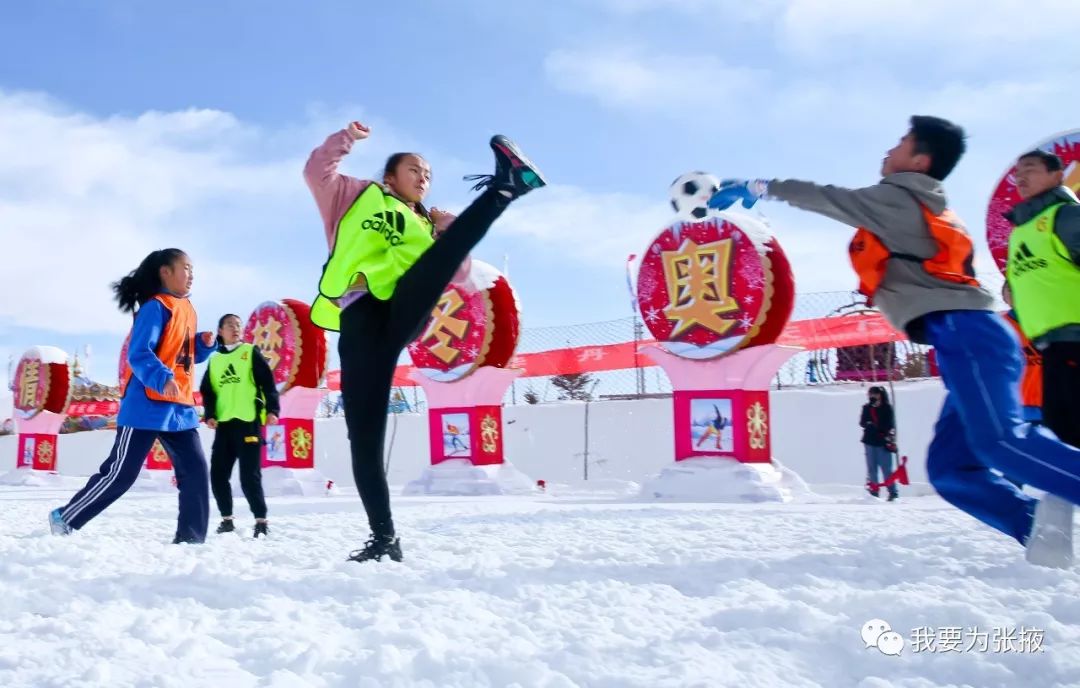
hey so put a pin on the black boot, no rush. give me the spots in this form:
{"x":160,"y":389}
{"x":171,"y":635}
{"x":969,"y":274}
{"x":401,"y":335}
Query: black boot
{"x":226,"y":526}
{"x":262,"y":528}
{"x":515,"y":175}
{"x":893,"y":496}
{"x":378,"y":547}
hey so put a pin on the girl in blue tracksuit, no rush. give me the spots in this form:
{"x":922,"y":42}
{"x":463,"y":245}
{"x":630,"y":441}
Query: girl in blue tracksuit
{"x":157,"y":398}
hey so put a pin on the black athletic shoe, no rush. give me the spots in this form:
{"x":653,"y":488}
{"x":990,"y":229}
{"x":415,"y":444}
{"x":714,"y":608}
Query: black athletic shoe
{"x":378,"y":547}
{"x":515,"y":175}
{"x":261,"y":529}
{"x":893,"y":496}
{"x":226,"y":526}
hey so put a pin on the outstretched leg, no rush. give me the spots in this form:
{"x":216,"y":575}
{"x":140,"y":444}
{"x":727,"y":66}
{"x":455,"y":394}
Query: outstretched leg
{"x":980,"y":364}
{"x":419,"y":288}
{"x":115,"y":476}
{"x":968,"y":484}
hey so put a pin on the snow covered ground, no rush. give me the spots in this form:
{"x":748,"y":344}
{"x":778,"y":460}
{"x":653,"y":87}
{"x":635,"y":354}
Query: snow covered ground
{"x":565,"y":589}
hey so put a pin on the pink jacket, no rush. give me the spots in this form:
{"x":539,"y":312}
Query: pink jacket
{"x":335,"y":192}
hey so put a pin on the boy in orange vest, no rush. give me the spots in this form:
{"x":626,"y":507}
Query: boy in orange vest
{"x":915,"y":260}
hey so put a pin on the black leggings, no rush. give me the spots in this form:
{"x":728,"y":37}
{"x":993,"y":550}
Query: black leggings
{"x":373,"y":334}
{"x":1061,"y":390}
{"x":237,"y":439}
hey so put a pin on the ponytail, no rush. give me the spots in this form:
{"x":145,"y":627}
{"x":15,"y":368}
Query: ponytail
{"x":144,"y":282}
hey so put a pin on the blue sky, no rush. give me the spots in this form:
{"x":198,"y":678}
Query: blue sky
{"x":129,"y":126}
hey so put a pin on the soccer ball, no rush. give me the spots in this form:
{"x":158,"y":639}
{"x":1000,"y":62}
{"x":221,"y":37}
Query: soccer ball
{"x":691,"y":192}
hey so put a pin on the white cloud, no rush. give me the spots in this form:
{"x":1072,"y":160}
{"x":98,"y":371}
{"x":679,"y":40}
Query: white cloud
{"x":592,"y":228}
{"x":958,"y":32}
{"x":622,"y":77}
{"x":84,"y":198}
{"x":601,"y":230}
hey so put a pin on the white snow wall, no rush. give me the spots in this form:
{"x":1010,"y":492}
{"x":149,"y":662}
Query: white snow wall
{"x":815,"y":432}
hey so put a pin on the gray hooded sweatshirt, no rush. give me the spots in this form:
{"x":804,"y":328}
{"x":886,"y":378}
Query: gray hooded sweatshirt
{"x":889,"y":210}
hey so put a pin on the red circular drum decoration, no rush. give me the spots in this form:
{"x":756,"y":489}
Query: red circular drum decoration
{"x":42,"y":382}
{"x":292,"y":345}
{"x":1067,"y":147}
{"x":706,"y":289}
{"x":471,"y":326}
{"x":123,"y":366}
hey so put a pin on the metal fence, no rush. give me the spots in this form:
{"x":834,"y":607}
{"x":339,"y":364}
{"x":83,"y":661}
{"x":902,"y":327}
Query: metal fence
{"x":850,"y":365}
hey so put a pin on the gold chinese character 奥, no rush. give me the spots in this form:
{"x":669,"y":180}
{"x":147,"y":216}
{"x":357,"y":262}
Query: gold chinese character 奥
{"x":698,"y":286}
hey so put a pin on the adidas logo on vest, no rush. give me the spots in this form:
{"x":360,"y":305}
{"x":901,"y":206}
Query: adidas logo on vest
{"x":389,"y":223}
{"x":1025,"y":261}
{"x":229,"y":377}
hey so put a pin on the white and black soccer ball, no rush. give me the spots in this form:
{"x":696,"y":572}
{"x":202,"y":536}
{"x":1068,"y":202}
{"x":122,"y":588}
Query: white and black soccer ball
{"x":690,"y":194}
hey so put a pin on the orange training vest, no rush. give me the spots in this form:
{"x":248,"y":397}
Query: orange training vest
{"x":175,"y":349}
{"x":1031,"y":381}
{"x":952,"y":262}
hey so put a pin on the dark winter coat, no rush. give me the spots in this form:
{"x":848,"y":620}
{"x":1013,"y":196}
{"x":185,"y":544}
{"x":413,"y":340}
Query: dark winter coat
{"x":877,"y":423}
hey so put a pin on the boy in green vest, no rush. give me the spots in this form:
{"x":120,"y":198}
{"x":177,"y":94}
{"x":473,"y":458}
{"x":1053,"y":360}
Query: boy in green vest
{"x":1044,"y":277}
{"x":239,"y":394}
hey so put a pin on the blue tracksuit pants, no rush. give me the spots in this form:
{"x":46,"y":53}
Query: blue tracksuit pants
{"x":121,"y":469}
{"x":981,"y":426}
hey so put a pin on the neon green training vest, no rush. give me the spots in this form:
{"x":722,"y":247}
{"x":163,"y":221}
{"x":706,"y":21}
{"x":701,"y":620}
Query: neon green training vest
{"x":234,"y":383}
{"x":380,"y":238}
{"x":1045,"y":281}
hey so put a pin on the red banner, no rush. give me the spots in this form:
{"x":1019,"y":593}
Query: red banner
{"x":93,"y":408}
{"x":819,"y":333}
{"x":848,"y":330}
{"x":104,"y":408}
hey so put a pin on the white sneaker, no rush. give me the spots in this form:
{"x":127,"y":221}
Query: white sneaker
{"x":1050,"y":543}
{"x":57,"y":525}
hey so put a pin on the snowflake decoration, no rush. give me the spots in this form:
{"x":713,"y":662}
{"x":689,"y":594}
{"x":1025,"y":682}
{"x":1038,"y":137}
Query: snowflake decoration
{"x":751,"y":274}
{"x":746,"y":322}
{"x":652,"y":315}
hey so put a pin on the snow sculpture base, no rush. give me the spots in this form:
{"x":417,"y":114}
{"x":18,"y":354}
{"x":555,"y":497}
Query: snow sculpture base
{"x":298,"y":482}
{"x":460,"y":477}
{"x":724,"y":480}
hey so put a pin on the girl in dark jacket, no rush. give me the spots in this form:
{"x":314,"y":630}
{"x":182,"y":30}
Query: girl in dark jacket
{"x":879,"y":435}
